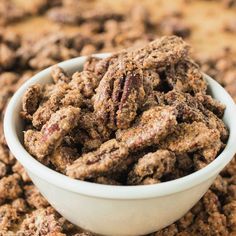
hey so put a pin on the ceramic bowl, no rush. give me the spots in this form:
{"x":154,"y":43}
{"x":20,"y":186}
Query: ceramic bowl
{"x":116,"y":210}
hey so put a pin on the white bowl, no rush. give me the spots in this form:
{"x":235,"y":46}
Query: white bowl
{"x":116,"y":210}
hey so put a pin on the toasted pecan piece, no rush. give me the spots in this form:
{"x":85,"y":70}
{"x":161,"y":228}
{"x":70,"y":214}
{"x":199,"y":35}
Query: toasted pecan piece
{"x":63,"y":156}
{"x":185,"y":76}
{"x":43,"y":221}
{"x":49,"y":106}
{"x":58,"y":74}
{"x":211,"y":104}
{"x":42,"y":143}
{"x":152,"y":166}
{"x":188,"y":138}
{"x":31,"y":100}
{"x":104,"y":160}
{"x":154,"y":125}
{"x":10,"y":188}
{"x":167,"y":50}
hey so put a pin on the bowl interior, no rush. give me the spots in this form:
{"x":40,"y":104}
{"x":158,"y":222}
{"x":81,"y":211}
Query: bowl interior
{"x":13,"y":129}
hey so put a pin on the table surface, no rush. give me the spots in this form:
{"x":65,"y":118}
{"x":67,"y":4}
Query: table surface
{"x":206,"y":18}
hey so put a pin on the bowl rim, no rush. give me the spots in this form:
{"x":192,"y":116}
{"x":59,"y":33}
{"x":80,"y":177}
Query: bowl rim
{"x":111,"y":191}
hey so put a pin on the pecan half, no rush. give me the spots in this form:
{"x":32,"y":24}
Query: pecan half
{"x":120,"y":94}
{"x":106,"y":159}
{"x":42,"y":143}
{"x":153,"y":126}
{"x":152,"y":165}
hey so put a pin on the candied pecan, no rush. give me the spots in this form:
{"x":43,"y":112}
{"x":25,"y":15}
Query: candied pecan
{"x":161,"y":53}
{"x":12,"y":39}
{"x":210,"y":222}
{"x":84,"y":82}
{"x":185,"y":76}
{"x":211,"y":104}
{"x":184,"y":161}
{"x":8,"y":217}
{"x":90,"y":133}
{"x":47,"y":50}
{"x":95,"y":129}
{"x":51,"y":55}
{"x":102,"y":66}
{"x":211,"y":151}
{"x":231,"y":190}
{"x":189,"y":114}
{"x":34,"y":197}
{"x":151,"y":79}
{"x":217,"y":223}
{"x":186,"y":106}
{"x":199,"y":161}
{"x":119,"y":94}
{"x":215,"y":122}
{"x":73,"y":98}
{"x":219,"y":186}
{"x":58,"y":74}
{"x":5,"y":156}
{"x":51,"y":105}
{"x":107,"y":158}
{"x":42,"y":143}
{"x":20,"y":205}
{"x":10,"y":188}
{"x":90,"y":64}
{"x":191,"y":109}
{"x":42,"y":221}
{"x":31,"y":100}
{"x":78,"y":137}
{"x":211,"y":202}
{"x":230,"y":213}
{"x":186,"y":220}
{"x":153,"y":165}
{"x":19,"y":169}
{"x":155,"y":98}
{"x":197,"y":208}
{"x":63,"y":156}
{"x":153,"y":126}
{"x":190,"y":138}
